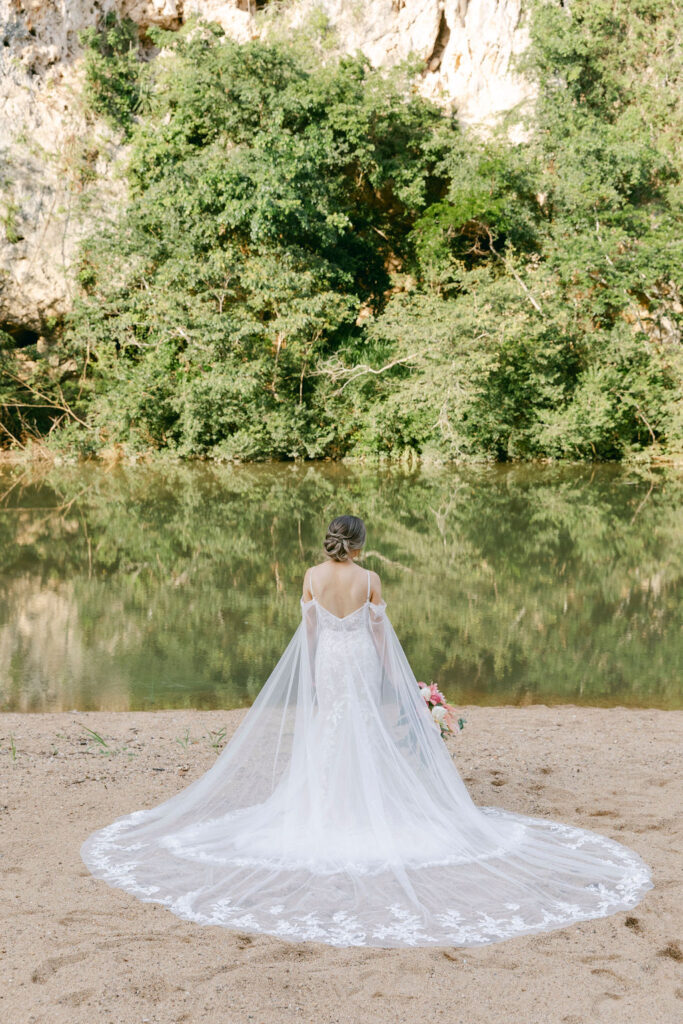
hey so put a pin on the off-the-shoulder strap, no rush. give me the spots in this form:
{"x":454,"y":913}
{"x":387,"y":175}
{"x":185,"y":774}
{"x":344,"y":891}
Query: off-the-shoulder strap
{"x":368,"y":597}
{"x":310,"y":581}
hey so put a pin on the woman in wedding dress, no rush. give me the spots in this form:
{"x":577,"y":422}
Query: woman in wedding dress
{"x":336,"y":814}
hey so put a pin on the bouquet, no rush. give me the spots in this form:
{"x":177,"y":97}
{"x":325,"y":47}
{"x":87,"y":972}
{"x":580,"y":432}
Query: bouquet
{"x":443,"y":714}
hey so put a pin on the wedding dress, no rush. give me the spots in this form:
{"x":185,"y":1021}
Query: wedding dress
{"x":336,"y":814}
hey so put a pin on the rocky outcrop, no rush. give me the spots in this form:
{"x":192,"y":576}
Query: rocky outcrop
{"x":58,"y":177}
{"x":467,"y":46}
{"x":56,"y":180}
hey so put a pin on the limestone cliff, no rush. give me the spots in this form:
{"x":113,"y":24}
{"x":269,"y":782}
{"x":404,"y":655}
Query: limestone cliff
{"x":58,"y":178}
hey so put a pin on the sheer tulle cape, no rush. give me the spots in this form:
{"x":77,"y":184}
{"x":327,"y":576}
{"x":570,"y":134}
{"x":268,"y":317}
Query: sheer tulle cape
{"x":336,"y":814}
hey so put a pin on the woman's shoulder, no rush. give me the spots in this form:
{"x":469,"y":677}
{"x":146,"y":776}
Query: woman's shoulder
{"x":310,"y":576}
{"x":314,"y":568}
{"x":375,"y":585}
{"x":374,"y":576}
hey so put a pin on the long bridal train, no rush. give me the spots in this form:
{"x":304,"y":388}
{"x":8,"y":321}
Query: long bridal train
{"x":336,"y":814}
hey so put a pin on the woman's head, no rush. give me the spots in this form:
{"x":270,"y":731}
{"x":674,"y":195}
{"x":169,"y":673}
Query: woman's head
{"x":345,"y":534}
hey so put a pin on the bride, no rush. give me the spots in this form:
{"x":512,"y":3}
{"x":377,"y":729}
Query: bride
{"x":336,"y":813}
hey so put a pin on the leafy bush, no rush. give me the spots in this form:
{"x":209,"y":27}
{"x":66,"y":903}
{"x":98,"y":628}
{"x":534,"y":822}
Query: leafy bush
{"x":113,"y":70}
{"x":315,"y":261}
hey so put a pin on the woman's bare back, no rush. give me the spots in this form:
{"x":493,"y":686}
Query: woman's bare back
{"x":341,"y":587}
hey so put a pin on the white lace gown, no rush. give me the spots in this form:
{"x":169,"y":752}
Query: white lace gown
{"x":336,"y":814}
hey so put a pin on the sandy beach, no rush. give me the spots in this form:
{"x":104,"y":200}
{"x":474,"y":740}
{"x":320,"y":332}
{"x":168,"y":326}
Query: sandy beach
{"x":74,"y":950}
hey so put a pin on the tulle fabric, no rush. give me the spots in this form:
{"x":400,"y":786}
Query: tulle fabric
{"x":336,"y":814}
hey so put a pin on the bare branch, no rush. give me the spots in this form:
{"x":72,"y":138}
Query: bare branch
{"x":354,"y":372}
{"x":10,"y":434}
{"x":511,"y":269}
{"x":50,"y":402}
{"x":387,"y":561}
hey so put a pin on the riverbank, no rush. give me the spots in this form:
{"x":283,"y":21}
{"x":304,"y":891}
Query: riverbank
{"x":35,"y":453}
{"x":75,"y":950}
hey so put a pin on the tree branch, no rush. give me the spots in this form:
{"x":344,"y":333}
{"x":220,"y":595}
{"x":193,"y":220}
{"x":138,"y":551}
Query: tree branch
{"x":354,"y":372}
{"x":514,"y":273}
{"x":50,"y":402}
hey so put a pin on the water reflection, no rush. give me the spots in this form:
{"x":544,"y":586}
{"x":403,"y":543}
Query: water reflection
{"x":174,"y":586}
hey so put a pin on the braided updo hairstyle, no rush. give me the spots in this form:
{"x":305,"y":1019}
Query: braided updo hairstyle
{"x":344,"y":534}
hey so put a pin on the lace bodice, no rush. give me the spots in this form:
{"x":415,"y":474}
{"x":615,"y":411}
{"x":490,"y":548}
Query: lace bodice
{"x":358,"y":619}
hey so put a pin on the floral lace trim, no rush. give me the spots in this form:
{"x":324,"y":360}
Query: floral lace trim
{"x":403,"y":926}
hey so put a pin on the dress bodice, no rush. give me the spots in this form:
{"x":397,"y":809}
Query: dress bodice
{"x":328,"y":621}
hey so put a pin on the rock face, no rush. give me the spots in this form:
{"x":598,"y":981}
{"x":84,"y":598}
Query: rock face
{"x":467,"y":46}
{"x":58,"y":175}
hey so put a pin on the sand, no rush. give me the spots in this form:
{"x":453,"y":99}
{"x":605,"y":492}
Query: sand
{"x":72,"y":949}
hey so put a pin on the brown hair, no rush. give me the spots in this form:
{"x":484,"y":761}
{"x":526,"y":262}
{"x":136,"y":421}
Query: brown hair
{"x":344,"y":534}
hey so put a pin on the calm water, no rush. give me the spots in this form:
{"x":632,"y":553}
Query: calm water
{"x":139,"y":587}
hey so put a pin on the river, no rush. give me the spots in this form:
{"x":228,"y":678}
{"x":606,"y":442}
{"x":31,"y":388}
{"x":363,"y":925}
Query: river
{"x":177,"y":585}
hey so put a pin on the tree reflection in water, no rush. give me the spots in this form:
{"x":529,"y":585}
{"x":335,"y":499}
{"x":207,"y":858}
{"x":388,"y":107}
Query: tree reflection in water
{"x":177,"y":585}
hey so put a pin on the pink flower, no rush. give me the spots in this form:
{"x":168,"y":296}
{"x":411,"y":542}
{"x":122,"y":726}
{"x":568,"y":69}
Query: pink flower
{"x":446,"y":717}
{"x":449,"y":717}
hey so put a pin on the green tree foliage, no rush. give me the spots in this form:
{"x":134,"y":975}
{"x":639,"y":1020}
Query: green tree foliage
{"x":315,"y":261}
{"x":113,"y":74}
{"x":560,"y":258}
{"x":266,"y":200}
